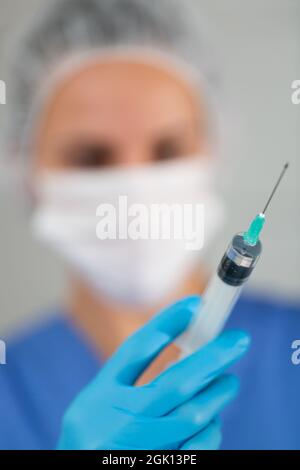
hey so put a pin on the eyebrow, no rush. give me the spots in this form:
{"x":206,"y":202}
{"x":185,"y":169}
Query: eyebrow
{"x":173,"y":130}
{"x":178,"y":127}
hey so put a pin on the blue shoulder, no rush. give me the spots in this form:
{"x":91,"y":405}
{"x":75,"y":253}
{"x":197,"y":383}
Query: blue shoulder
{"x":273,"y":324}
{"x":46,"y":365}
{"x":259,"y":310}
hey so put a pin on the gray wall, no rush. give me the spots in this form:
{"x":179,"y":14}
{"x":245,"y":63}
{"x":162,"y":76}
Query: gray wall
{"x":259,"y":46}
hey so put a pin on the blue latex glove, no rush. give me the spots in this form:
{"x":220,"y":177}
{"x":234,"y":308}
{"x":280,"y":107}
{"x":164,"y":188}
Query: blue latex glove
{"x":177,"y":410}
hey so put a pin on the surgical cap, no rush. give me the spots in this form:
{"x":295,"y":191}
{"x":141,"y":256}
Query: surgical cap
{"x":68,"y":27}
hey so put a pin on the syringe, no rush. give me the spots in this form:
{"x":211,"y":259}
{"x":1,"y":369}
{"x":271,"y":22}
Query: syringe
{"x":226,"y":285}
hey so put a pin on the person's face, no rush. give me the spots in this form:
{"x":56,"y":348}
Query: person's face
{"x":118,"y":113}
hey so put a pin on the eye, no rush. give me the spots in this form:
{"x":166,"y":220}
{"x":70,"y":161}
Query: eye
{"x":167,"y":149}
{"x":89,"y":156}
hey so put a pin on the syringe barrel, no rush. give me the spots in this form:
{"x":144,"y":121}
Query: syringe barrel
{"x":217,"y":303}
{"x":221,"y":295}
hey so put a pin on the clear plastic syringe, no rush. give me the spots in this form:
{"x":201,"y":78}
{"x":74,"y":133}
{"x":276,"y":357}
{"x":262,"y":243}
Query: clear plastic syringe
{"x":226,"y":285}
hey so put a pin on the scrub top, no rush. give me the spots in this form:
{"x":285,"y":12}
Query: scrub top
{"x":50,"y":363}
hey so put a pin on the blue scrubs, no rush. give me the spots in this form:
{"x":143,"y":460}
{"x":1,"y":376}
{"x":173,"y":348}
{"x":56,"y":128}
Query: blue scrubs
{"x":47,"y":366}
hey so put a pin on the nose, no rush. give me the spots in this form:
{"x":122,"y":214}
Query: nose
{"x":134,"y":156}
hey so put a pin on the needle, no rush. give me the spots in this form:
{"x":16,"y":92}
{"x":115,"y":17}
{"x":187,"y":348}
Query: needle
{"x":252,"y":235}
{"x":276,"y":186}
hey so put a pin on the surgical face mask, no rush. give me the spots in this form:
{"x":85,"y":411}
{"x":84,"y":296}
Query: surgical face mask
{"x":116,"y":227}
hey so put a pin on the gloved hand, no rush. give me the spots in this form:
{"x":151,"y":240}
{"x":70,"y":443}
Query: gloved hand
{"x":177,"y":410}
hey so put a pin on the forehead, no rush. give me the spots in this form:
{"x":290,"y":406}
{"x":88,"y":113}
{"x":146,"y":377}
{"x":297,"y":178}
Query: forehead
{"x":118,"y":94}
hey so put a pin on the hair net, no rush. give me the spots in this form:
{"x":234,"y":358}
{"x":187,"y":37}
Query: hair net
{"x":67,"y":27}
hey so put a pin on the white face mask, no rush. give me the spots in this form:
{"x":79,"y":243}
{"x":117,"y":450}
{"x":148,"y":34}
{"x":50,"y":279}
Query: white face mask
{"x":135,"y":271}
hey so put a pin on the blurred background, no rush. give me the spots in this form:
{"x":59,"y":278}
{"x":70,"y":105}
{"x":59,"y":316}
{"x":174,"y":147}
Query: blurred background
{"x":258,"y":46}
